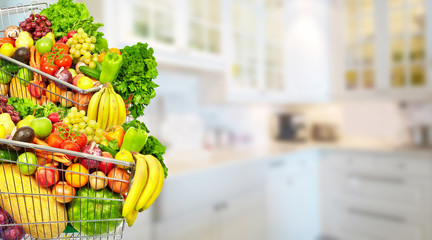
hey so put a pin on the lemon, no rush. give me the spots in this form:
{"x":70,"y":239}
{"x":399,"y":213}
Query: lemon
{"x":7,"y":49}
{"x":124,"y":155}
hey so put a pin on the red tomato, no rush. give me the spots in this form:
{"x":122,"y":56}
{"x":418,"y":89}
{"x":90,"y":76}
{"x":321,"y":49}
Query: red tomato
{"x":81,"y":140}
{"x":63,"y":61}
{"x":50,"y":69}
{"x":54,"y":140}
{"x":71,"y":146}
{"x":61,"y":48}
{"x":60,"y":127}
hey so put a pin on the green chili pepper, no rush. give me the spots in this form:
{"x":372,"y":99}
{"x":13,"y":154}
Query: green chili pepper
{"x":134,"y":139}
{"x":111,"y":65}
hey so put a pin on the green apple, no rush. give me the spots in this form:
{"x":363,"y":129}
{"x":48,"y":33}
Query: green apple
{"x":44,"y":45}
{"x":42,"y":127}
{"x":29,"y":158}
{"x":26,"y":121}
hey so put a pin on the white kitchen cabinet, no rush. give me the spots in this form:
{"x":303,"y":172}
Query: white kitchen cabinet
{"x":225,"y":203}
{"x":376,"y":196}
{"x":293,"y":197}
{"x":385,"y":47}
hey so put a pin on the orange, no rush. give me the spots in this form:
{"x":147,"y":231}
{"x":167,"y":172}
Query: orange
{"x":51,"y":92}
{"x":75,"y":179}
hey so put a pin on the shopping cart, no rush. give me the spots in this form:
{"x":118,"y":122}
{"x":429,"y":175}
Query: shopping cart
{"x":41,"y":210}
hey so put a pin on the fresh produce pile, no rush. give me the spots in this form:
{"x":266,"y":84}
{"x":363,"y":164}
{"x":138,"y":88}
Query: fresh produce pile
{"x":88,"y":191}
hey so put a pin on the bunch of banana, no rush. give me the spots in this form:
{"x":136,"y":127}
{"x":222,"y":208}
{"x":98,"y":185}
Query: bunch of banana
{"x":107,"y":108}
{"x":146,"y":186}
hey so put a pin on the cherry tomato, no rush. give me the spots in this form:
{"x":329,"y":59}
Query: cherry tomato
{"x":63,"y":61}
{"x":54,"y":140}
{"x":50,"y":69}
{"x":71,"y":146}
{"x":81,"y":140}
{"x":61,"y":48}
{"x":60,"y":127}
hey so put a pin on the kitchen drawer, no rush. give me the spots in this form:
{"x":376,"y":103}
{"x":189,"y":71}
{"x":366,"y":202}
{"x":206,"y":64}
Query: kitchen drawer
{"x":395,"y":189}
{"x":351,"y":160}
{"x":402,"y":165}
{"x":378,"y":222}
{"x":207,"y":188}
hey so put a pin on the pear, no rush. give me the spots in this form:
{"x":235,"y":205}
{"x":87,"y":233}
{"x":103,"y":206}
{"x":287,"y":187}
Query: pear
{"x":26,"y":121}
{"x":50,"y":35}
{"x":24,"y":40}
{"x":7,"y":123}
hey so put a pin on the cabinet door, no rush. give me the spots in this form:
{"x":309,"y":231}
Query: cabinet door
{"x":243,"y":217}
{"x":196,"y":225}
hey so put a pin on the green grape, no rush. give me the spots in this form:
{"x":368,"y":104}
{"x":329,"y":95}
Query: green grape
{"x":84,"y":35}
{"x":80,"y":30}
{"x":92,"y":47}
{"x":75,"y":128}
{"x":92,"y":64}
{"x":88,"y":40}
{"x":77,"y":54}
{"x":85,"y":46}
{"x":87,"y":61}
{"x":81,"y":58}
{"x":104,"y":142}
{"x":88,"y":130}
{"x":74,"y":42}
{"x":72,"y":50}
{"x":66,"y":121}
{"x":95,"y":58}
{"x":97,"y":139}
{"x":73,"y":109}
{"x":85,"y":119}
{"x":83,"y":51}
{"x":78,"y":46}
{"x":99,"y":132}
{"x":71,"y":115}
{"x":82,"y":125}
{"x":75,"y":36}
{"x":82,"y":113}
{"x":69,"y":41}
{"x":87,"y":54}
{"x":81,"y":40}
{"x":92,"y":124}
{"x":93,"y":39}
{"x":89,"y":138}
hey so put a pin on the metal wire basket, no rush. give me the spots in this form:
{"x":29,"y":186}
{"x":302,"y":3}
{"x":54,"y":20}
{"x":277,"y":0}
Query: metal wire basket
{"x":34,"y":204}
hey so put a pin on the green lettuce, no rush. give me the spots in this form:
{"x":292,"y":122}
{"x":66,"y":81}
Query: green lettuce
{"x":136,"y":77}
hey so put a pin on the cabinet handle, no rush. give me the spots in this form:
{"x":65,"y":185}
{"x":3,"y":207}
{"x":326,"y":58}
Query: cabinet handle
{"x":377,"y":215}
{"x":277,"y":163}
{"x":370,"y":177}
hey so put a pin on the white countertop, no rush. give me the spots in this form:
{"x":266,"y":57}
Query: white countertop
{"x":216,"y":158}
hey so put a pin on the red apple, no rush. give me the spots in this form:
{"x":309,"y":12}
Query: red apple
{"x":46,"y":176}
{"x":36,"y":90}
{"x":106,"y":167}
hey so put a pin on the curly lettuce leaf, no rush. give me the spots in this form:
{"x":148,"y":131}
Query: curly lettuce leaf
{"x":136,"y":77}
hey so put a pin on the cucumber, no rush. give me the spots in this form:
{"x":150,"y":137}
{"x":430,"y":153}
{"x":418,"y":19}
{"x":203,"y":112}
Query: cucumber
{"x":93,"y":73}
{"x":99,"y":66}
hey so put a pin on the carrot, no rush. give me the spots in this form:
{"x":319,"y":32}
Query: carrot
{"x":40,"y":142}
{"x":38,"y":60}
{"x":32,"y":56}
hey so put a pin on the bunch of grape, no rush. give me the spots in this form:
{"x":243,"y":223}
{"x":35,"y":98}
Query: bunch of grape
{"x":37,"y":25}
{"x":77,"y":121}
{"x":81,"y":46}
{"x":9,"y":109}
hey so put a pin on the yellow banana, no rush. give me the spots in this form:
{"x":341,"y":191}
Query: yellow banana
{"x":104,"y":108}
{"x":130,"y":219}
{"x":93,"y":105}
{"x":121,"y":110}
{"x":152,"y":182}
{"x":138,"y":184}
{"x":155,"y":195}
{"x":113,"y":113}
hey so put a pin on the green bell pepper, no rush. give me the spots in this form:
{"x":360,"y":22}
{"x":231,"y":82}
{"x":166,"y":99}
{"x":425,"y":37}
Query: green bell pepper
{"x":111,"y":65}
{"x":134,"y":139}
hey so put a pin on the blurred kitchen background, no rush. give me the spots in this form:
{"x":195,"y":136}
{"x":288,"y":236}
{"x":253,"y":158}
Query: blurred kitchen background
{"x":286,"y":119}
